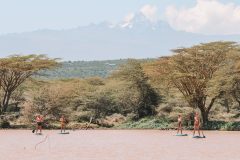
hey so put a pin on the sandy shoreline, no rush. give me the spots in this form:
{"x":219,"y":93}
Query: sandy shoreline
{"x":118,"y":144}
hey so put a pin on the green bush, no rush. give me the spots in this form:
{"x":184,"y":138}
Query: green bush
{"x":222,"y":125}
{"x":148,"y":123}
{"x":147,"y":98}
{"x":102,"y":104}
{"x":231,"y":126}
{"x":84,"y":117}
{"x":4,"y":124}
{"x":13,"y":108}
{"x":166,"y":109}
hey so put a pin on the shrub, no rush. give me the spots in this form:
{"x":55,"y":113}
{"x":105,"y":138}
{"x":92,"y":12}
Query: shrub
{"x":148,"y":123}
{"x":84,"y":117}
{"x":102,"y":104}
{"x":147,"y":98}
{"x":13,"y":108}
{"x":166,"y":108}
{"x":222,"y":125}
{"x":231,"y":126}
{"x":4,"y":124}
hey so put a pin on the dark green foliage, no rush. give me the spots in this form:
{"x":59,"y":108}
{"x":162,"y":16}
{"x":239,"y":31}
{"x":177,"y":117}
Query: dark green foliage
{"x":13,"y":108}
{"x":102,"y":104}
{"x":148,"y":123}
{"x":4,"y":124}
{"x":222,"y":125}
{"x":85,"y":69}
{"x":147,"y":98}
{"x":84,"y":117}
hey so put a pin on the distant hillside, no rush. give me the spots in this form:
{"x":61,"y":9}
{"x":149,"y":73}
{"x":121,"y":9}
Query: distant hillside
{"x":84,"y":69}
{"x":139,"y":38}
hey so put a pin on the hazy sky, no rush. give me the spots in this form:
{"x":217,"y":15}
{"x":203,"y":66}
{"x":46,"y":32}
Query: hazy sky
{"x":210,"y":17}
{"x":29,"y":15}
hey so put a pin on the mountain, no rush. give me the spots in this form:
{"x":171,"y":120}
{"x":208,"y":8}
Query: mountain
{"x":138,"y":37}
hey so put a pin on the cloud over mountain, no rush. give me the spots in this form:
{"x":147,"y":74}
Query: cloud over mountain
{"x":138,"y":35}
{"x":150,"y":12}
{"x":206,"y":17}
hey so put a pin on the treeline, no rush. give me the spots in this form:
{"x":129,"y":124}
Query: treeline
{"x":137,"y":93}
{"x":84,"y":69}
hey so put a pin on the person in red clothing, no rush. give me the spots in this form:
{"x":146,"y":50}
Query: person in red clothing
{"x":39,"y":121}
{"x":179,"y":124}
{"x":196,"y":124}
{"x":63,"y":122}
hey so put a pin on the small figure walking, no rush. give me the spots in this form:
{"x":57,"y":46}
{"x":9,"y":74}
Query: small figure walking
{"x":39,"y":121}
{"x":196,"y":124}
{"x":63,"y":122}
{"x":179,"y":124}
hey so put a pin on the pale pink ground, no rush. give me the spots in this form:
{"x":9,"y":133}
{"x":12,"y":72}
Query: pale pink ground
{"x":118,"y":145}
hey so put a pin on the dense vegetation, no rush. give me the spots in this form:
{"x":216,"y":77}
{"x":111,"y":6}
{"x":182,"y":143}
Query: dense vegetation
{"x":126,"y":93}
{"x":84,"y":69}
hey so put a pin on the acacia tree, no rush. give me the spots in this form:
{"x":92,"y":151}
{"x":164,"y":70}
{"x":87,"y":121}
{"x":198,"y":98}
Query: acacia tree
{"x":235,"y":89}
{"x":14,"y":70}
{"x":192,"y":69}
{"x":236,"y":92}
{"x":147,"y":98}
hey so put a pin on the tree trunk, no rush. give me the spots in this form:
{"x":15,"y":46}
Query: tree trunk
{"x":3,"y":103}
{"x":205,"y":118}
{"x":6,"y":103}
{"x":204,"y":115}
{"x":238,"y":102}
{"x":205,"y":110}
{"x":226,"y":104}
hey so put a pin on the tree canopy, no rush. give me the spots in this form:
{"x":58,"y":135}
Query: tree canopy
{"x":191,"y":71}
{"x":148,"y":98}
{"x":14,"y":70}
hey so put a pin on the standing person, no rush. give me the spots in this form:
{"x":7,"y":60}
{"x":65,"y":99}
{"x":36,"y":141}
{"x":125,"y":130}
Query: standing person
{"x":179,"y":124}
{"x":196,"y":124}
{"x":63,"y":123}
{"x":39,"y":120}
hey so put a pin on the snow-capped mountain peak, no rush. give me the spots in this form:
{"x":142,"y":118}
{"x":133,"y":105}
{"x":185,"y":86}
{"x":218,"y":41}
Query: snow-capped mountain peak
{"x":135,"y":20}
{"x":137,"y":36}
